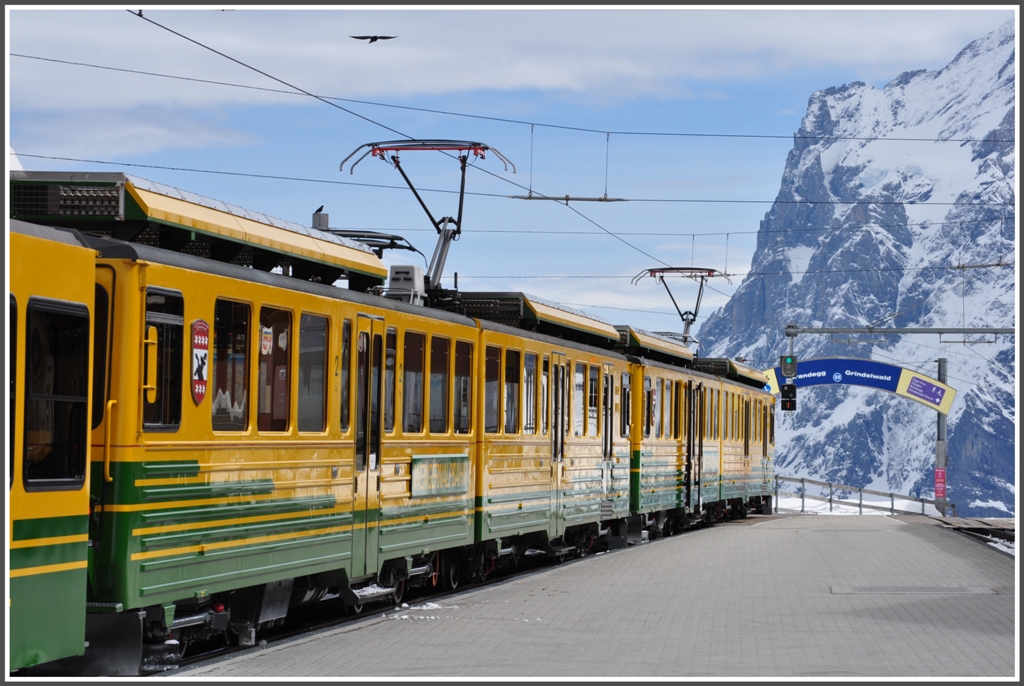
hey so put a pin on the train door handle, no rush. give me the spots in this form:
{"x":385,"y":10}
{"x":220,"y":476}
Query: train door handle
{"x":106,"y":440}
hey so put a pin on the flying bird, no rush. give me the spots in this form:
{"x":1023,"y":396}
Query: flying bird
{"x":373,"y":39}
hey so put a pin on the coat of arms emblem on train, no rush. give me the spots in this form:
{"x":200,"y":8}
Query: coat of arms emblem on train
{"x":200,"y":357}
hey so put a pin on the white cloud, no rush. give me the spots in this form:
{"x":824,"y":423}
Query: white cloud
{"x":113,"y":134}
{"x":613,"y":53}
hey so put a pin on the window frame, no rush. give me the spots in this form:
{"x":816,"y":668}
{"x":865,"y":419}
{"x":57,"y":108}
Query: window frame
{"x":324,"y":367}
{"x":80,"y":402}
{"x":246,"y":365}
{"x":165,"y":381}
{"x":409,"y":398}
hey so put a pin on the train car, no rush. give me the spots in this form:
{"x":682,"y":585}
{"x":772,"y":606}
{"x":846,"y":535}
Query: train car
{"x":50,"y":337}
{"x":741,"y":436}
{"x":553,"y":464}
{"x":262,"y":439}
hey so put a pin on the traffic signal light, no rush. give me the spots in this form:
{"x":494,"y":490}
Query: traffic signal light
{"x":788,"y":393}
{"x":788,"y":364}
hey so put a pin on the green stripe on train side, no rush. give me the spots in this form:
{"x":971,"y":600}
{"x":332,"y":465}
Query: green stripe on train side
{"x":50,"y":527}
{"x":125,"y":475}
{"x":45,"y":555}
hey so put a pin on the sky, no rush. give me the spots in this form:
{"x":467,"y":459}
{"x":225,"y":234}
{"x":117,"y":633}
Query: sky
{"x":685,"y":115}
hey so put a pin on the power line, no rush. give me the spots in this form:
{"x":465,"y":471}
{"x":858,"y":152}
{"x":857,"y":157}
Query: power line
{"x":522,"y":122}
{"x":677,"y":234}
{"x":327,"y":102}
{"x":746,"y":275}
{"x":277,"y":177}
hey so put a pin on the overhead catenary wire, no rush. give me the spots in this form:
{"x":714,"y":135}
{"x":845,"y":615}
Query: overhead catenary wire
{"x":565,"y":127}
{"x":279,"y":177}
{"x":281,"y":81}
{"x":402,"y":134}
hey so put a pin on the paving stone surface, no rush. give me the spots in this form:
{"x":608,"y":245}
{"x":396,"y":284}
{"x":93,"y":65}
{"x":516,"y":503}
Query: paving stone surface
{"x":781,"y":596}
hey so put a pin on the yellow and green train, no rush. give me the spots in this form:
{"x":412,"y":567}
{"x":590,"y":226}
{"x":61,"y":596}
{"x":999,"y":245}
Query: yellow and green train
{"x":206,"y":434}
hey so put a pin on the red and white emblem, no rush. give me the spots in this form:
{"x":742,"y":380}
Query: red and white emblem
{"x":200,"y":359}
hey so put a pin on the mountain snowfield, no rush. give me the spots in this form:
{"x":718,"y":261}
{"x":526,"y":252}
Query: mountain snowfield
{"x":894,"y":212}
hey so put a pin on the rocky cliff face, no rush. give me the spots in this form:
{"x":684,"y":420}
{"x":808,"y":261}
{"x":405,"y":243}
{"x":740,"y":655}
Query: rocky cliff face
{"x":896,"y":209}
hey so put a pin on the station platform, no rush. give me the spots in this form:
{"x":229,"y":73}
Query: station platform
{"x":810,"y":596}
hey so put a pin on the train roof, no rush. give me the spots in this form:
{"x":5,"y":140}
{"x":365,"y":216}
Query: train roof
{"x":653,"y":346}
{"x":721,"y":366}
{"x":115,"y":249}
{"x":530,"y":313}
{"x":69,"y":236}
{"x":127,"y":207}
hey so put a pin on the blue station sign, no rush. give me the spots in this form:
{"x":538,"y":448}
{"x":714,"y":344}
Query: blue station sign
{"x":857,"y":372}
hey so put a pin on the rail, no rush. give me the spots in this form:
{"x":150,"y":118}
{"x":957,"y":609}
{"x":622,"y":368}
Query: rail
{"x":833,"y":487}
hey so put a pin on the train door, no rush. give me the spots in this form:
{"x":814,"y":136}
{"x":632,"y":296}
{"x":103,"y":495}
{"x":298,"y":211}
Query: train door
{"x":369,"y":362}
{"x":559,"y":424}
{"x":607,"y":438}
{"x":47,"y":539}
{"x":104,"y":408}
{"x":695,"y":434}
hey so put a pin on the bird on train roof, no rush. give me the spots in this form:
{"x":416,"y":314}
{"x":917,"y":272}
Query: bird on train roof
{"x":373,"y":39}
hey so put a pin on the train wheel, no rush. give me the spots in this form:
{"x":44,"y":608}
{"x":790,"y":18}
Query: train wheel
{"x":742,"y":511}
{"x":399,"y":592}
{"x":450,"y":571}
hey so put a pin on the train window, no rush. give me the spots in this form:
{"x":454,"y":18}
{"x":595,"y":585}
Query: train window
{"x":99,"y":354}
{"x":657,"y":405}
{"x":440,"y":352}
{"x":311,"y":400}
{"x":512,"y":372}
{"x":715,"y":415}
{"x":625,"y":406}
{"x":544,"y":409}
{"x":726,"y":416}
{"x":668,"y":410}
{"x":412,"y":383}
{"x":578,"y":399}
{"x":274,"y":376}
{"x":165,"y":311}
{"x":12,"y":337}
{"x":709,"y":397}
{"x":592,"y":395}
{"x":346,"y":359}
{"x":390,"y":346}
{"x":530,"y":394}
{"x":56,"y":399}
{"x":463,"y":386}
{"x":677,"y":401}
{"x":492,"y":389}
{"x":647,"y":406}
{"x":230,"y":372}
{"x":737,"y":426}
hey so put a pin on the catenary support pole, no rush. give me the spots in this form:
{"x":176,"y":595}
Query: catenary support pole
{"x":941,"y":458}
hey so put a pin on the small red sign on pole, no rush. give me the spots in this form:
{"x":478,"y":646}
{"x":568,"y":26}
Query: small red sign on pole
{"x":200,"y":358}
{"x":940,"y":483}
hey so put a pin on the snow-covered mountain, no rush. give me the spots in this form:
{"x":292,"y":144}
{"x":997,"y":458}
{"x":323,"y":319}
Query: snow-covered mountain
{"x":873,"y":228}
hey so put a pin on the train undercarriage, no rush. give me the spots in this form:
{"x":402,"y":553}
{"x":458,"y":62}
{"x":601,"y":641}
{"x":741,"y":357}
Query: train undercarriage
{"x":156,"y":638}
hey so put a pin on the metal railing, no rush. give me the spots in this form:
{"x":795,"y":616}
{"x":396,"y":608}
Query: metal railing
{"x":833,"y":487}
